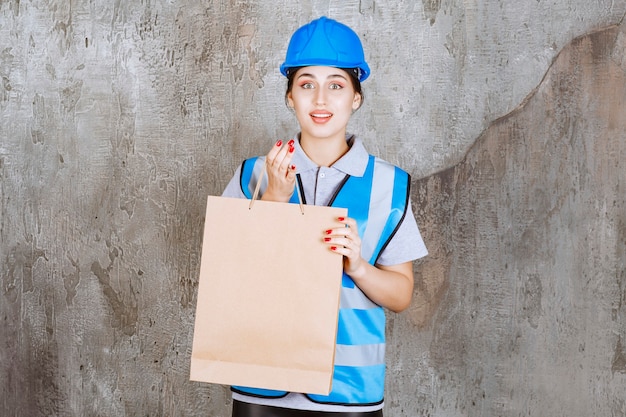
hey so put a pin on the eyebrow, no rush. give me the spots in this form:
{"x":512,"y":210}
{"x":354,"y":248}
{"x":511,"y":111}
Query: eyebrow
{"x":337,"y":75}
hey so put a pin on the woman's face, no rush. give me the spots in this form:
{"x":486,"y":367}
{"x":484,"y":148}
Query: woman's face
{"x":323,"y":99}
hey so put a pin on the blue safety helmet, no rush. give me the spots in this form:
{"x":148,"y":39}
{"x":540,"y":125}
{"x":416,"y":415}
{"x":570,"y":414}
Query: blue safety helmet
{"x":326,"y":42}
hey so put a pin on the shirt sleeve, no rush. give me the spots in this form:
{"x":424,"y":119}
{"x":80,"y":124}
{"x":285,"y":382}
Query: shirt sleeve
{"x":233,"y":189}
{"x":406,"y":244}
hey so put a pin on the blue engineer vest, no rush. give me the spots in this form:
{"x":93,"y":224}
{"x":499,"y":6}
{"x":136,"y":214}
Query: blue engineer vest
{"x":378,"y":201}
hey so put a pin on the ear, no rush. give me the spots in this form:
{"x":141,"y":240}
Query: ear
{"x":356,"y":103}
{"x":290,"y":101}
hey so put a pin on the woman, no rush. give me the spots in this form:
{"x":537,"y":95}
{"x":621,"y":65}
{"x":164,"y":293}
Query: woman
{"x":324,"y":67}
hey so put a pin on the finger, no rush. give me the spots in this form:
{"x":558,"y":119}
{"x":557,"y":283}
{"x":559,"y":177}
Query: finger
{"x":277,"y":163}
{"x":338,"y":241}
{"x":350,"y":243}
{"x":285,"y":156}
{"x":347,"y":252}
{"x":282,"y":160}
{"x":291,"y":172}
{"x":271,"y":155}
{"x":349,"y":230}
{"x":349,"y":222}
{"x":284,"y":169}
{"x":338,"y":232}
{"x":340,"y":250}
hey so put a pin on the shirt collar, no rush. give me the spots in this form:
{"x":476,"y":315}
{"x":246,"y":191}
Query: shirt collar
{"x":354,"y":162}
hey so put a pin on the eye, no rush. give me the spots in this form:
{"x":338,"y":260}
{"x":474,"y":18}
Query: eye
{"x":335,"y":86}
{"x":307,"y":85}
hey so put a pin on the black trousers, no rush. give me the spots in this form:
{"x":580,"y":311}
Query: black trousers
{"x":242,"y":409}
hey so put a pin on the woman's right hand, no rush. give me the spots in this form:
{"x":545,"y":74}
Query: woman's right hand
{"x":281,"y":174}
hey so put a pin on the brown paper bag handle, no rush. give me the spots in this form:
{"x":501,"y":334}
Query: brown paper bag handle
{"x":258,"y":187}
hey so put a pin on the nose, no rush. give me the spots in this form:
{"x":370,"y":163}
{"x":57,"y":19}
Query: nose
{"x":320,"y":96}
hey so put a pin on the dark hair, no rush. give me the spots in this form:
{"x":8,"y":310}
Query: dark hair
{"x":354,"y":79}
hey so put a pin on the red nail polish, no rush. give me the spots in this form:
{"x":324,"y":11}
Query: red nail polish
{"x":333,"y":248}
{"x":291,"y":149}
{"x":291,"y":142}
{"x":293,"y":167}
{"x":329,"y":232}
{"x":279,"y":143}
{"x":341,"y":219}
{"x":326,"y":239}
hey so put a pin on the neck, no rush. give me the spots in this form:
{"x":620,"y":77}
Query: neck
{"x":324,"y":151}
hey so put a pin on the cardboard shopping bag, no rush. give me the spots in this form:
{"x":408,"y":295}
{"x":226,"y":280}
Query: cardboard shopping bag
{"x":268,"y":296}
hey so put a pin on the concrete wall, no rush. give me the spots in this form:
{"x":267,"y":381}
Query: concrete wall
{"x":118,"y":118}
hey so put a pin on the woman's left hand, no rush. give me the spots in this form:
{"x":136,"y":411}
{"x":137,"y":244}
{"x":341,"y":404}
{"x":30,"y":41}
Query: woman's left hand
{"x":389,"y":286}
{"x":347,"y":242}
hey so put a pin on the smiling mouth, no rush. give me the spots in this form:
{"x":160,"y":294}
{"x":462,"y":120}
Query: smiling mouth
{"x":321,"y":117}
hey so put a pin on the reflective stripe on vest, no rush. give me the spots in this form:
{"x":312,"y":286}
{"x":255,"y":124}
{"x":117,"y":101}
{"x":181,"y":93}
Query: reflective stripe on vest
{"x":359,"y":371}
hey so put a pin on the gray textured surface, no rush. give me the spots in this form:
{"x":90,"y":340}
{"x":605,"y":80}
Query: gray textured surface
{"x":118,"y":118}
{"x":528,"y":235}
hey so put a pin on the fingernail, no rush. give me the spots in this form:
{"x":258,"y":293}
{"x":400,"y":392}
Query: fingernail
{"x":279,"y":143}
{"x":326,"y":239}
{"x":291,"y":142}
{"x":291,"y":149}
{"x":341,"y":219}
{"x":293,"y":167}
{"x":329,"y":232}
{"x":333,"y":248}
